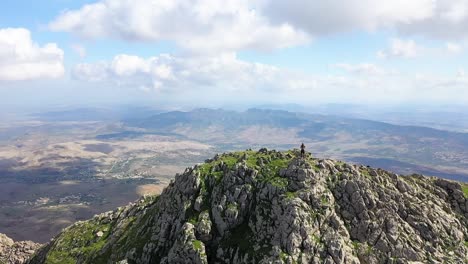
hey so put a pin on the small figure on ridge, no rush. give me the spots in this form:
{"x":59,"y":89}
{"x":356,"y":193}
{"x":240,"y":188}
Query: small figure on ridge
{"x":302,"y":150}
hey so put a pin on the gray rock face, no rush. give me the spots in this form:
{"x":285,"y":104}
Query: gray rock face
{"x":15,"y":252}
{"x":270,"y":207}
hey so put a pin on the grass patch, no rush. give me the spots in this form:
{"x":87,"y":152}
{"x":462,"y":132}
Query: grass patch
{"x":316,"y":168}
{"x":324,"y":199}
{"x":197,"y":245}
{"x":79,"y":242}
{"x":57,"y":257}
{"x":278,"y":182}
{"x":278,"y":164}
{"x":230,"y":161}
{"x":291,"y":195}
{"x":284,"y":256}
{"x":365,"y":172}
{"x":465,"y":189}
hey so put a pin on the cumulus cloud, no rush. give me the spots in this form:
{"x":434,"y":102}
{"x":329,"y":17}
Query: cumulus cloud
{"x":201,"y":26}
{"x":447,"y":21}
{"x":334,"y":16}
{"x":227,"y":77}
{"x":211,"y":26}
{"x":22,"y":59}
{"x":167,"y":73}
{"x":440,"y":19}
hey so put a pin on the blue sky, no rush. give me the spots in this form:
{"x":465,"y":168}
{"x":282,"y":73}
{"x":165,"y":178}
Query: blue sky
{"x":208,"y":52}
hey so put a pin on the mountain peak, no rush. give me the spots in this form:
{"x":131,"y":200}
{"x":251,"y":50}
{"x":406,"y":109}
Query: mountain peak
{"x":268,"y":206}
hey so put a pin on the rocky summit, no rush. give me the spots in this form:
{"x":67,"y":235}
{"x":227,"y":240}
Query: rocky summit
{"x":274,"y":207}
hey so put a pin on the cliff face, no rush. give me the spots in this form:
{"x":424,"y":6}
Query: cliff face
{"x":271,"y":207}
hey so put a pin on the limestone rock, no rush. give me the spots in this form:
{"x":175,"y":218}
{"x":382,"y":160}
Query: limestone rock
{"x":16,"y":252}
{"x":271,"y":207}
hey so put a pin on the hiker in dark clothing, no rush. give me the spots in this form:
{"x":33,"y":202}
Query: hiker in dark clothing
{"x":302,"y":150}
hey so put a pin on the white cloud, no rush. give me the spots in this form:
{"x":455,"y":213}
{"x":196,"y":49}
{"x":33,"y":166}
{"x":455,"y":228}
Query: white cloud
{"x":211,"y":26}
{"x":441,"y":19}
{"x":206,"y":26}
{"x":448,"y":21}
{"x":22,"y":59}
{"x":401,"y":49}
{"x":168,"y":73}
{"x":361,"y":68}
{"x":226,"y":77}
{"x":91,"y":72}
{"x":334,"y":16}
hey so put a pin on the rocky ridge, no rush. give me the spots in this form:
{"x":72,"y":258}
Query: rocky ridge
{"x":272,"y":207}
{"x":15,"y":252}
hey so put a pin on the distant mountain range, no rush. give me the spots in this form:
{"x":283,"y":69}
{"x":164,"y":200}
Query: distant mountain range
{"x":437,"y":152}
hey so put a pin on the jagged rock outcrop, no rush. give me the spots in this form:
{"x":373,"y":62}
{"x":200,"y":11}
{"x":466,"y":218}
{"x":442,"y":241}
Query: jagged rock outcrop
{"x":271,"y":207}
{"x":15,"y":252}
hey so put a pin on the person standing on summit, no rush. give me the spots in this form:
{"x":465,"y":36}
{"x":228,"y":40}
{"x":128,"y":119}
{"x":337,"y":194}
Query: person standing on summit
{"x":302,"y":150}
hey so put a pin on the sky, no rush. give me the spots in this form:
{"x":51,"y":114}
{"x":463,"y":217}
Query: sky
{"x":211,"y":53}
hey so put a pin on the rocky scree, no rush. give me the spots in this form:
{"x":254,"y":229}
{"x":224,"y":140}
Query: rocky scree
{"x":15,"y":252}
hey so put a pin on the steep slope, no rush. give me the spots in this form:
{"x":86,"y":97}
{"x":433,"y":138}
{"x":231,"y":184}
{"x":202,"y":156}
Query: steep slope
{"x":12,"y":252}
{"x":272,"y":207}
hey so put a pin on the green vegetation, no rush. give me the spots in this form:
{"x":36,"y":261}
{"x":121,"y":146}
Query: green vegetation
{"x":230,"y":161}
{"x":291,"y":195}
{"x":271,"y":164}
{"x":197,"y":245}
{"x":316,"y":239}
{"x":465,"y":189}
{"x":80,"y":241}
{"x":57,"y":257}
{"x":278,"y":164}
{"x":135,"y":236}
{"x":278,"y":182}
{"x":316,"y":168}
{"x":232,"y":206}
{"x":356,"y":244}
{"x":324,"y":199}
{"x":284,"y":256}
{"x":365,"y":172}
{"x":369,"y":250}
{"x":193,"y":219}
